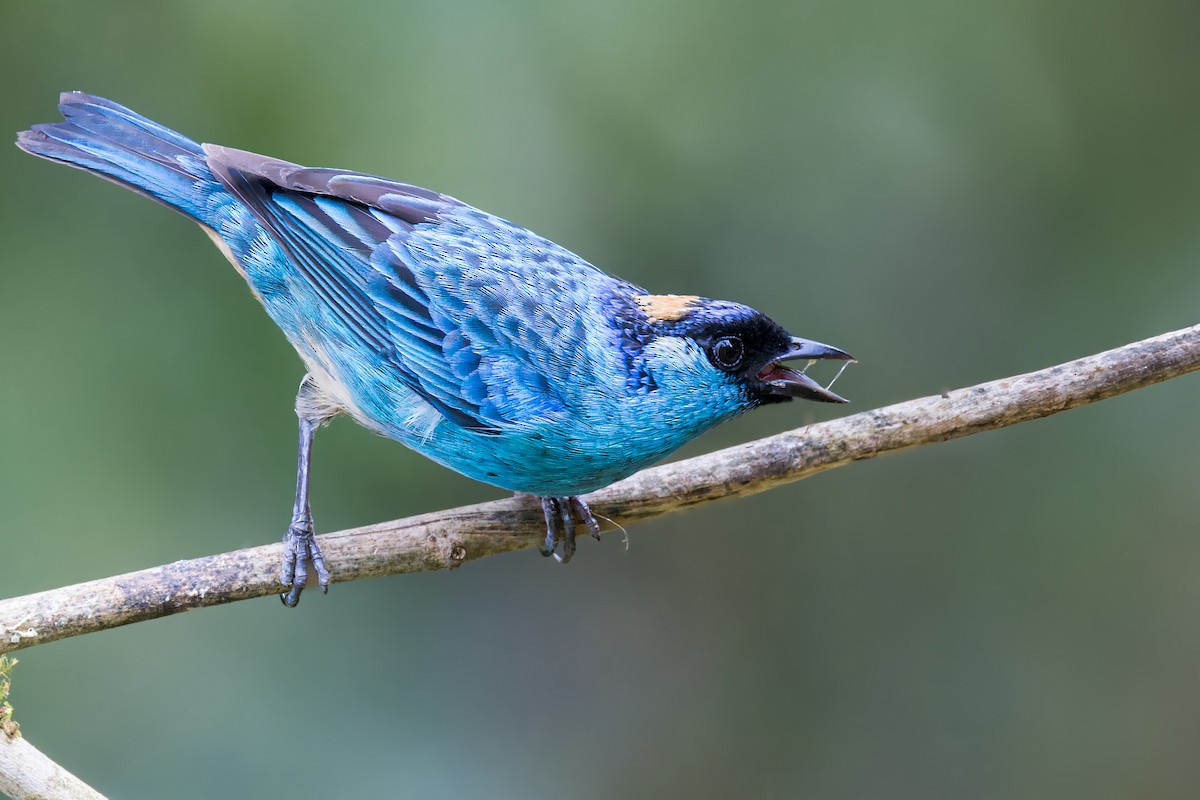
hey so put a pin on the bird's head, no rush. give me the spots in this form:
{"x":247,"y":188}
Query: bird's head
{"x":725,"y":357}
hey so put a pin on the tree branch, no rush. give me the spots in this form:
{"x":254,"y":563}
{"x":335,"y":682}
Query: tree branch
{"x":446,"y":539}
{"x":26,"y":773}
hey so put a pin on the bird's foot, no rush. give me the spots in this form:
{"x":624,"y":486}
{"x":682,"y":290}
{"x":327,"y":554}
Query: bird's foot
{"x":563,"y":515}
{"x":299,"y":550}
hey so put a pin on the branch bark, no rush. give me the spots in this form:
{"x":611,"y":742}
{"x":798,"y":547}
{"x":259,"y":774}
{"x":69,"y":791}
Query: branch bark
{"x":446,"y":539}
{"x":26,"y":773}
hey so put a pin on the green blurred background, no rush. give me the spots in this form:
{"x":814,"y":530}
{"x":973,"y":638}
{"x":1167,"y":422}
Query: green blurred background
{"x":953,"y":191}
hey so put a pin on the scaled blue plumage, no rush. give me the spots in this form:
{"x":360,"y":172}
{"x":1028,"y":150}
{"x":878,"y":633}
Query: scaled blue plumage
{"x":470,"y":339}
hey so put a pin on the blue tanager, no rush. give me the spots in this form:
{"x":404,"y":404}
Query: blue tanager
{"x":470,"y":339}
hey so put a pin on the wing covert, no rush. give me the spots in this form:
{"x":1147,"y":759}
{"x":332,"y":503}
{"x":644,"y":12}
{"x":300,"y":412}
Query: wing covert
{"x":429,"y":285}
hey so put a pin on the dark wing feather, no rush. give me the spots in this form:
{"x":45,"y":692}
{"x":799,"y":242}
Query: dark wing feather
{"x":334,"y":257}
{"x":347,"y":235}
{"x":406,"y":202}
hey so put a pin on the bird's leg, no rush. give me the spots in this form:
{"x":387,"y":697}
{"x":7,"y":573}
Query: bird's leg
{"x":550,"y":512}
{"x":563,"y":515}
{"x":299,"y":544}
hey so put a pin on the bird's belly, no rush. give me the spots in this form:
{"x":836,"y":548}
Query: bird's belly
{"x":549,"y":460}
{"x":547,"y":466}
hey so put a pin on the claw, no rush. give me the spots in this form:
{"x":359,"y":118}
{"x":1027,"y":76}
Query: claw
{"x":563,"y":515}
{"x":584,"y":515}
{"x":299,"y":551}
{"x":290,"y":598}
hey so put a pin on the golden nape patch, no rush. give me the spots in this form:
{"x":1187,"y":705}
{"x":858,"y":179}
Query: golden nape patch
{"x":666,"y":307}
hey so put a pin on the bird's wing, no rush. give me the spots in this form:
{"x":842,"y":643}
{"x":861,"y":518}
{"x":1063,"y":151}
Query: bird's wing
{"x":461,"y":305}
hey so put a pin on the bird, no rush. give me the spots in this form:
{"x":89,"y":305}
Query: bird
{"x":468,"y":338}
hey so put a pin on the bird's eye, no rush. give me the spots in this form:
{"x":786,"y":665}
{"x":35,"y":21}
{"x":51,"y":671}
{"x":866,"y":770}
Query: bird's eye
{"x":726,"y":353}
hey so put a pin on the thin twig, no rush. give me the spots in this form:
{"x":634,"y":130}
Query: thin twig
{"x":446,"y":539}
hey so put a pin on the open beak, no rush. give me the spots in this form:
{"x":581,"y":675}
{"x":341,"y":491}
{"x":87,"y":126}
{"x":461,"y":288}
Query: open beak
{"x":786,"y":382}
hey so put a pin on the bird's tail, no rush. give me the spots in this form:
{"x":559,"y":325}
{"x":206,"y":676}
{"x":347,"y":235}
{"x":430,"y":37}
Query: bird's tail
{"x":126,"y":148}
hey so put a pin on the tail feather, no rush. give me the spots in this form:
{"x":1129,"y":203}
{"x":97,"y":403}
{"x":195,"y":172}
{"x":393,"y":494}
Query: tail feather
{"x":124,"y":147}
